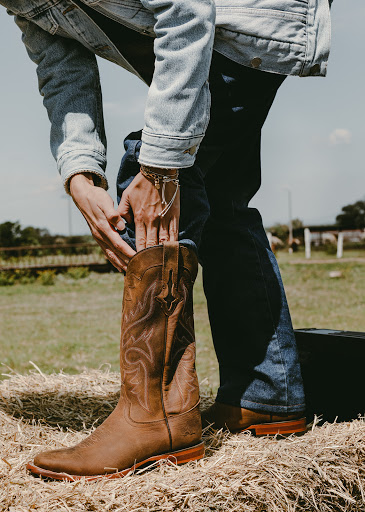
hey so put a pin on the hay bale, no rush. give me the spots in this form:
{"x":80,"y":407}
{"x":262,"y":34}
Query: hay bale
{"x":324,"y":470}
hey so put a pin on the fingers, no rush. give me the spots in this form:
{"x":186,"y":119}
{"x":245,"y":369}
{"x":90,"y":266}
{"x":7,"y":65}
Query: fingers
{"x":124,"y":209}
{"x":169,"y":224}
{"x":115,"y":249}
{"x":169,"y":230}
{"x":112,"y":215}
{"x":114,"y":218}
{"x":163,"y":235}
{"x":174,"y":229}
{"x":152,"y":235}
{"x":118,"y":263}
{"x":98,"y":209}
{"x":102,"y":231}
{"x":119,"y":246}
{"x":141,"y":203}
{"x":141,"y":235}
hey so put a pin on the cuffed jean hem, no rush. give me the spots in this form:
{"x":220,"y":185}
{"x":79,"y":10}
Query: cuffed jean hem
{"x":131,"y":241}
{"x":101,"y":178}
{"x":82,"y":160}
{"x":260,"y":407}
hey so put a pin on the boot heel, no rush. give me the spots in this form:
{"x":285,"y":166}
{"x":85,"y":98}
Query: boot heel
{"x":283,"y":428}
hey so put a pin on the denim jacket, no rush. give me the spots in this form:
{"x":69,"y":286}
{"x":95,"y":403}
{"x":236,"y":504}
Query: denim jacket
{"x":290,"y":37}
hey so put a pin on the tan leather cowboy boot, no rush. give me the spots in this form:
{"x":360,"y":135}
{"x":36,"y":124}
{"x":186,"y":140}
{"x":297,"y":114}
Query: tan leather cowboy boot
{"x":237,"y":419}
{"x":157,"y":416}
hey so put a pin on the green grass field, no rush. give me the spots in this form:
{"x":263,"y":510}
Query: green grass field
{"x":75,"y":323}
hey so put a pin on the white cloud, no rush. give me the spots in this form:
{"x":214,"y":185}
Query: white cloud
{"x":340,"y":136}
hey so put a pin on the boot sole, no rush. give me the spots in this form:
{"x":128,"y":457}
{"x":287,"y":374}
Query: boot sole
{"x":179,"y":457}
{"x":283,"y":428}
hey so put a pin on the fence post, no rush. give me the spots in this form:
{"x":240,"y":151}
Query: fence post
{"x":340,"y":245}
{"x":307,"y":242}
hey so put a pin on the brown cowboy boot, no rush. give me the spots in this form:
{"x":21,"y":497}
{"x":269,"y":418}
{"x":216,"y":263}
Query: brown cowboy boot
{"x":237,"y":419}
{"x":157,"y":416}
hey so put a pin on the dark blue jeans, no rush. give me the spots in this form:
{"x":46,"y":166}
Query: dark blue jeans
{"x":249,"y":317}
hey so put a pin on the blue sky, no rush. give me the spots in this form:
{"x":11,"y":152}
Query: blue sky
{"x":312,"y":142}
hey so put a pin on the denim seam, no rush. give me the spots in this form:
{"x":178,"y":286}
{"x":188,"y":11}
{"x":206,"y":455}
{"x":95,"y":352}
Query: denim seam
{"x":76,"y":29}
{"x":261,"y":38}
{"x":39,"y":10}
{"x":99,"y":108}
{"x":81,"y":151}
{"x":129,"y":7}
{"x":266,"y":13}
{"x":304,"y":63}
{"x":53,"y":22}
{"x":187,"y":137}
{"x":272,"y":319}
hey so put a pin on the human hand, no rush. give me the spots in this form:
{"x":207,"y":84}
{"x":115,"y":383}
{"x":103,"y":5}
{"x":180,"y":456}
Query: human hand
{"x":143,"y":202}
{"x":97,"y":207}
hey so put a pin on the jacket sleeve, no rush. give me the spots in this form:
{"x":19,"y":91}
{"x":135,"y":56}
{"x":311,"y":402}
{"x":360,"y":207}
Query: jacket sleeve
{"x":178,"y":101}
{"x":69,"y":82}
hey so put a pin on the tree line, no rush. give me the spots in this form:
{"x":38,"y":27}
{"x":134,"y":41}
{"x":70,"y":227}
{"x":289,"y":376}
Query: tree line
{"x":12,"y":234}
{"x":352,"y":216}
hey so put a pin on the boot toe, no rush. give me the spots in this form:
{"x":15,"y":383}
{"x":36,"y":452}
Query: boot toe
{"x":57,"y":461}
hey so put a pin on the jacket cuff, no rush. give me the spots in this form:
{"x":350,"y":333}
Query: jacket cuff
{"x":168,"y":152}
{"x":75,"y":162}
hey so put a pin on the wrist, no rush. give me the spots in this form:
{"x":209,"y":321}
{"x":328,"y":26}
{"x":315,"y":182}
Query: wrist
{"x":78,"y":182}
{"x":159,"y":170}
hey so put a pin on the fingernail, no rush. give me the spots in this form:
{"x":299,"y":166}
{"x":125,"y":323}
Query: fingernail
{"x":120,"y":225}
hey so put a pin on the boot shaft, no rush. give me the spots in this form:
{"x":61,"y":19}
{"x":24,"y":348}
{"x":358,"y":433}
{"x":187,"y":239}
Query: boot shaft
{"x":158,"y":341}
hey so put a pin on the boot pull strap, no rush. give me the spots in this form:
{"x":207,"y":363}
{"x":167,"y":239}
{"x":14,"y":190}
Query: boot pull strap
{"x":169,"y":295}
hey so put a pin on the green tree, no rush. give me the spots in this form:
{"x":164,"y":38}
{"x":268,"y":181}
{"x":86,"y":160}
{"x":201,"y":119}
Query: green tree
{"x":282,"y":230}
{"x":33,"y":236}
{"x":297,"y":224}
{"x":13,"y":235}
{"x":279,"y":230}
{"x":10,"y":234}
{"x":352,"y":216}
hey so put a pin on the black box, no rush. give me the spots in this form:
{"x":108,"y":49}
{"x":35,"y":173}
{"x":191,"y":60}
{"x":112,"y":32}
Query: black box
{"x":333,"y":364}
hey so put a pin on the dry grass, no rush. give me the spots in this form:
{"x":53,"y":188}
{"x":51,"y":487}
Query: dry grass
{"x":324,"y":470}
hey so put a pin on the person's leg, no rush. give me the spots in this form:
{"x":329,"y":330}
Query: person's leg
{"x":250,"y":321}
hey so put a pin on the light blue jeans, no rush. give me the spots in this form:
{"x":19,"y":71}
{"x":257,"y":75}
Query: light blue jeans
{"x":249,"y":317}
